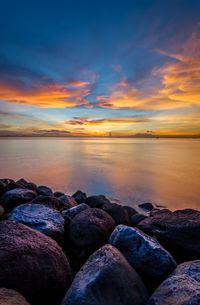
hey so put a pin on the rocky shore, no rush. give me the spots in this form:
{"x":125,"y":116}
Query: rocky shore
{"x":57,"y":249}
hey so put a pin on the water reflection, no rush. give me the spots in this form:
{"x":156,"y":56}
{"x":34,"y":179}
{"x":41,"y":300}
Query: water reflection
{"x":164,"y":171}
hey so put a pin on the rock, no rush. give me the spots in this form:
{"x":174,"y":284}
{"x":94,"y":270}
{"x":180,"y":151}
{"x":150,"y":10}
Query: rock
{"x":11,"y":297}
{"x":6,"y":181}
{"x":1,"y":210}
{"x":14,"y":185}
{"x":146,"y":206}
{"x":31,"y":186}
{"x":68,"y":201}
{"x":158,"y":211}
{"x":72,"y":212}
{"x":106,"y":279}
{"x":44,"y":190}
{"x":118,"y":213}
{"x":15,"y":197}
{"x":48,"y":201}
{"x":131,"y":211}
{"x":182,"y":287}
{"x":135,"y":219}
{"x":96,"y":201}
{"x":2,"y":188}
{"x":89,"y":230}
{"x":144,"y":254}
{"x":42,"y":219}
{"x":58,"y":194}
{"x":178,"y":232}
{"x":80,"y":197}
{"x":32,"y":264}
{"x":22,"y":181}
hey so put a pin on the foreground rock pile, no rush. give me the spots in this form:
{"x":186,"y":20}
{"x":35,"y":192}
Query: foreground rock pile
{"x":57,"y":249}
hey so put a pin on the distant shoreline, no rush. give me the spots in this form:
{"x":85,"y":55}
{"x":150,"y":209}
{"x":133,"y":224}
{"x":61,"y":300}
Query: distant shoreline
{"x":107,"y":137}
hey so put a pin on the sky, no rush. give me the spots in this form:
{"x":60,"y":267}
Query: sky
{"x":100,"y":68}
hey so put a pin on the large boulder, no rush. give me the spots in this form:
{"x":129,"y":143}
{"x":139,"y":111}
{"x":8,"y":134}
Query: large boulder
{"x":48,"y":201}
{"x":15,"y":197}
{"x":96,"y":201}
{"x":118,"y":213}
{"x":11,"y":297}
{"x":80,"y":197}
{"x":178,"y":232}
{"x":144,"y":253}
{"x":106,"y":279}
{"x":72,"y":212}
{"x":67,"y":201}
{"x":41,"y":218}
{"x":32,"y":264}
{"x":44,"y":190}
{"x":89,"y":230}
{"x":182,"y":287}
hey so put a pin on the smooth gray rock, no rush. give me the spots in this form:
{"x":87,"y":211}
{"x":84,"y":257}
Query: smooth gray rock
{"x":144,"y":253}
{"x":15,"y":197}
{"x":44,"y":190}
{"x":106,"y":279}
{"x":80,"y":197}
{"x":32,"y":264}
{"x":11,"y":297}
{"x":41,"y":218}
{"x":182,"y":287}
{"x":72,"y":212}
{"x":178,"y":232}
{"x":68,"y":201}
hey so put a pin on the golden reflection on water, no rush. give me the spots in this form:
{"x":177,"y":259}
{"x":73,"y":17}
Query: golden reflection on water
{"x":162,"y":171}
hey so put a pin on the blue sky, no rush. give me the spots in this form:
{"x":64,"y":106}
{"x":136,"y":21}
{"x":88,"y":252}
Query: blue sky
{"x":94,"y":67}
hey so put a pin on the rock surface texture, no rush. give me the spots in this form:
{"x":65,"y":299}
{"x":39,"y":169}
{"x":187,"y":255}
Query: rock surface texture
{"x":11,"y":297}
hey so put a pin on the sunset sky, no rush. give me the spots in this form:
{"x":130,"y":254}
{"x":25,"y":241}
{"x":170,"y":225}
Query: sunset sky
{"x":100,"y":68}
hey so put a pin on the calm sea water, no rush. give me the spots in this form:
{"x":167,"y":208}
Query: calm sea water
{"x":131,"y":171}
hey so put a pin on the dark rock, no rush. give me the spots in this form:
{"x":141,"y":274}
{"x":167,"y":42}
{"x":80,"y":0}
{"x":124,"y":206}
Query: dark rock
{"x":2,"y":188}
{"x":44,"y":190}
{"x":15,"y":197}
{"x":68,"y":201}
{"x":1,"y":210}
{"x":178,"y":232}
{"x":11,"y":297}
{"x":144,"y":254}
{"x":135,"y":219}
{"x":96,"y":201}
{"x":72,"y":212}
{"x":131,"y":211}
{"x":158,"y":211}
{"x":106,"y":279}
{"x":31,"y":186}
{"x":32,"y":264}
{"x":58,"y":194}
{"x":22,"y":181}
{"x":14,"y":185}
{"x":6,"y":181}
{"x":89,"y":230}
{"x":80,"y":197}
{"x":48,"y":201}
{"x":118,"y":213}
{"x":42,"y":219}
{"x":146,"y":206}
{"x":182,"y":287}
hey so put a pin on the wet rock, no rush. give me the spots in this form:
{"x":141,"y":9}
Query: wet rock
{"x":44,"y":190}
{"x":106,"y":279}
{"x":58,"y":194}
{"x":6,"y":180}
{"x":48,"y":201}
{"x":96,"y":201}
{"x":42,"y":219}
{"x":32,"y":264}
{"x":13,"y":185}
{"x":131,"y":211}
{"x":182,"y":287}
{"x":89,"y":230}
{"x":68,"y":201}
{"x":144,"y":253}
{"x":118,"y":213}
{"x":16,"y":197}
{"x":178,"y":232}
{"x":31,"y":186}
{"x":135,"y":219}
{"x":72,"y":212}
{"x":146,"y":206}
{"x":11,"y":297}
{"x":80,"y":197}
{"x":21,"y":181}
